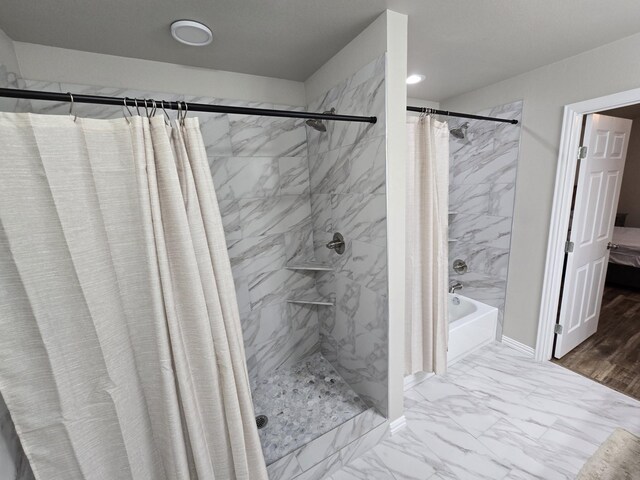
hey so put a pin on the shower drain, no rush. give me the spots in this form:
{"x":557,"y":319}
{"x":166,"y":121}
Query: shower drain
{"x":261,"y":421}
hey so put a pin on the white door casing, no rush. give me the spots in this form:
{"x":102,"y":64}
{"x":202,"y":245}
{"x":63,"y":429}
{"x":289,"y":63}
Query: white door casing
{"x":598,"y":189}
{"x":570,"y":139}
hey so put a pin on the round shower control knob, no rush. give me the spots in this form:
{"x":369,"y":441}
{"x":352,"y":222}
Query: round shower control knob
{"x":337,"y":243}
{"x":460,"y":266}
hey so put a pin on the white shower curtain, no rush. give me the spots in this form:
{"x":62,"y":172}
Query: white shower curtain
{"x":121,"y":353}
{"x":426,"y":323}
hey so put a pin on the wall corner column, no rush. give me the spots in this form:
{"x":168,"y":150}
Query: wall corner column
{"x":396,"y":96}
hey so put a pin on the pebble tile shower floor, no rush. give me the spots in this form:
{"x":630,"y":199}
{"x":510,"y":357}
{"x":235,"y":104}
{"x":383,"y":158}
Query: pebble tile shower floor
{"x":302,"y":402}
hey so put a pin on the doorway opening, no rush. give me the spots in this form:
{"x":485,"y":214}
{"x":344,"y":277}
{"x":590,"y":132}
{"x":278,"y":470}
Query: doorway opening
{"x":596,"y":329}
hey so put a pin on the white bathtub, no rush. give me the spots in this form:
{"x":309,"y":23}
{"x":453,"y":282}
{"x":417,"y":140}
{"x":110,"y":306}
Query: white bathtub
{"x":472,"y":324}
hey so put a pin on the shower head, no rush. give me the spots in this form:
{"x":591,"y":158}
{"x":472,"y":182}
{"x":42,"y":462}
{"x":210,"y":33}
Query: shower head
{"x":461,"y":131}
{"x":318,"y":124}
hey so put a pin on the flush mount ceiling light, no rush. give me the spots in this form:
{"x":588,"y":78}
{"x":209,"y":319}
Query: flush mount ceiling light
{"x":192,"y":33}
{"x":415,"y":78}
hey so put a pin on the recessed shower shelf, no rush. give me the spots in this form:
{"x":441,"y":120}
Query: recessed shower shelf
{"x":312,"y":299}
{"x":454,"y":213}
{"x":452,"y":240}
{"x":315,"y":266}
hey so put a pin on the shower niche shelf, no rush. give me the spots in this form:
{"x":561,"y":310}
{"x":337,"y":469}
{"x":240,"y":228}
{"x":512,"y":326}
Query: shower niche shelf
{"x":312,"y":299}
{"x":310,"y":265}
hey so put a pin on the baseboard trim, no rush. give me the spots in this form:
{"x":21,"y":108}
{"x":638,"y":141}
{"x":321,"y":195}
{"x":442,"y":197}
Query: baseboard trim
{"x":411,"y":381}
{"x":397,"y":425}
{"x":521,"y":347}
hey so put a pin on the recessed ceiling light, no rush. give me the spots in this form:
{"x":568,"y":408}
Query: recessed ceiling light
{"x":191,"y":33}
{"x":415,"y":78}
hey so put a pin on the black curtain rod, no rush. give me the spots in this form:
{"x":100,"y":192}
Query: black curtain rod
{"x":189,"y":107}
{"x":433,"y":111}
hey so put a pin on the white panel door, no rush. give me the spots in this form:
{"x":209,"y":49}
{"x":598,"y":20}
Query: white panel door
{"x":598,"y":189}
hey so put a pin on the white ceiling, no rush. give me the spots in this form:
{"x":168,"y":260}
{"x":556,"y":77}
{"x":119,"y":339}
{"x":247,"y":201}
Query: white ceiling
{"x":460,"y":45}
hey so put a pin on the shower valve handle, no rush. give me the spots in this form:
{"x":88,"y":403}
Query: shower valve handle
{"x":337,"y":244}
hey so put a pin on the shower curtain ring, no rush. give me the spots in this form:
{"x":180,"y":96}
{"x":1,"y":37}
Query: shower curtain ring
{"x":146,"y":108}
{"x":186,"y":111}
{"x":135,"y":102}
{"x":154,"y":107}
{"x":125,"y":106}
{"x":71,"y":105}
{"x":168,"y":119}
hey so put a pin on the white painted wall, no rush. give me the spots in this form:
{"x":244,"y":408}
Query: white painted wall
{"x":8,"y":54}
{"x":40,"y":62}
{"x":419,"y":102}
{"x":602,"y":71}
{"x":396,"y":95}
{"x":629,"y":195}
{"x":366,"y":47}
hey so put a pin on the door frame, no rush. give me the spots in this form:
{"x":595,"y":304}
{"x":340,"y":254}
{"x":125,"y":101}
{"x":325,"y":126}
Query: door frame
{"x":561,"y":209}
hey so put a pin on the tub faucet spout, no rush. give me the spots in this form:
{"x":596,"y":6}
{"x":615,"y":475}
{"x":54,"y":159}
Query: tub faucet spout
{"x":454,"y":287}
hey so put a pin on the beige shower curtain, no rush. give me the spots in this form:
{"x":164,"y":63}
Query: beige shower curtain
{"x":121,"y":354}
{"x":426,"y":323}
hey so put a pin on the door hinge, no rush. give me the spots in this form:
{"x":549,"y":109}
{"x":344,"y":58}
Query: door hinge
{"x":582,"y":152}
{"x":557,"y":329}
{"x":568,"y":246}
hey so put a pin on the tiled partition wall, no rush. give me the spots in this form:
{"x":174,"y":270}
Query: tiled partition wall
{"x":482,"y":178}
{"x":347,"y":173}
{"x":261,"y":174}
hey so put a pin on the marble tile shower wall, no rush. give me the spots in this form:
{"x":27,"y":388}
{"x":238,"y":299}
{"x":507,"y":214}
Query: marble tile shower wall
{"x":260,"y":169}
{"x":347,"y":175}
{"x":261,"y":173}
{"x":10,"y":79}
{"x":481,"y":198}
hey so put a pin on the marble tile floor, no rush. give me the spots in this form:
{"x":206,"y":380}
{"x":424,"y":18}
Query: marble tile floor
{"x":498,"y":414}
{"x":302,"y":402}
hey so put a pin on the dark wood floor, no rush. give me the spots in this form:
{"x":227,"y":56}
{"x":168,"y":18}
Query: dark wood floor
{"x":612,"y":355}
